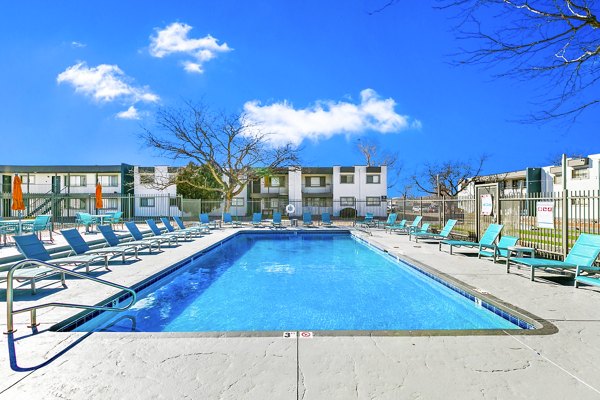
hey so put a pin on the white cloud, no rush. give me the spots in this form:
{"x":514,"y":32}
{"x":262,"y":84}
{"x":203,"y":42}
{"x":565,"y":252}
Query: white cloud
{"x":130,"y":113}
{"x":327,"y":118}
{"x":105,"y":83}
{"x":77,"y":44}
{"x":174,"y":39}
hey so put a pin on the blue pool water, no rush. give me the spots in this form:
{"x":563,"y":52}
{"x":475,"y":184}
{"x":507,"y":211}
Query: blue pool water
{"x":286,"y":282}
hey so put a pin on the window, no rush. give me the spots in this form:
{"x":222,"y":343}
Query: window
{"x":78,"y":204}
{"x":110,"y":203}
{"x":174,"y":202}
{"x":347,"y":201}
{"x":274,"y":181}
{"x":147,"y":202}
{"x":28,"y":179}
{"x":317,"y":202}
{"x":373,"y":201}
{"x":347,"y":178}
{"x":108,"y":180}
{"x":237,"y":202}
{"x":373,"y":179}
{"x":314,"y":181}
{"x":77,"y":180}
{"x":146,"y":179}
{"x":557,"y":179}
{"x":580,"y":173}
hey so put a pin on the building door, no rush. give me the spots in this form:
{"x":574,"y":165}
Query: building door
{"x":486,"y":206}
{"x":7,"y":191}
{"x":56,"y":184}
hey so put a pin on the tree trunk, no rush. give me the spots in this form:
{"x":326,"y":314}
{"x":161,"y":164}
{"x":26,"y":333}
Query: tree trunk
{"x":228,"y":196}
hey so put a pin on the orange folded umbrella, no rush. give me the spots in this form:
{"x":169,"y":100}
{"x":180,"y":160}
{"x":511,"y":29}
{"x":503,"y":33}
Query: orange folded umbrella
{"x":17,"y":195}
{"x":98,"y":195}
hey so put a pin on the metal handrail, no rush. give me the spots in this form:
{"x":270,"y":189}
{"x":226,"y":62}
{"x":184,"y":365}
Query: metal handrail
{"x":9,"y":294}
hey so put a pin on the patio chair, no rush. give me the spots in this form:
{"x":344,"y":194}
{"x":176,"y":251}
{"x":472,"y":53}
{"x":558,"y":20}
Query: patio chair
{"x":185,"y":231}
{"x":113,"y":240}
{"x":197,"y":228}
{"x":159,"y":233}
{"x":307,"y":219}
{"x":40,"y":223}
{"x":32,"y":248}
{"x":31,"y":274}
{"x":205,"y":221}
{"x":115,"y":218}
{"x":414,"y":226}
{"x":443,"y":235}
{"x":391,"y":220}
{"x":87,"y":220}
{"x":501,"y":249}
{"x":581,"y":257}
{"x":422,"y":230}
{"x":326,"y":219}
{"x":228,"y":220}
{"x":137,"y":235}
{"x":400,"y":226}
{"x":487,"y":240}
{"x":257,"y":220}
{"x":367,"y":222}
{"x":80,"y":246}
{"x":276,"y":223}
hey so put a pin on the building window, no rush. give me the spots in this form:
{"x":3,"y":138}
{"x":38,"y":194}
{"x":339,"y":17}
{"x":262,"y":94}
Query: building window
{"x":347,"y":178}
{"x":314,"y":181}
{"x":77,"y":180}
{"x":347,"y":201}
{"x":237,"y":202}
{"x":28,"y":179}
{"x":373,"y":178}
{"x":110,"y":203}
{"x":78,"y":204}
{"x":174,"y":202}
{"x":373,"y":201}
{"x":147,"y":202}
{"x":147,"y":179}
{"x":271,"y":203}
{"x":583,"y":173}
{"x":108,"y":180}
{"x":557,"y":179}
{"x":317,"y":202}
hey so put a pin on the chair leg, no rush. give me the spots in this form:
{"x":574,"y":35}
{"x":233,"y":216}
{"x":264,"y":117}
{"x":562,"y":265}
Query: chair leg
{"x":532,"y":273}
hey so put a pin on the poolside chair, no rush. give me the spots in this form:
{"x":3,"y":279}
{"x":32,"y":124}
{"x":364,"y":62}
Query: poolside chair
{"x":422,"y":230}
{"x":368,"y":222}
{"x":87,"y":220}
{"x":80,"y":246}
{"x":487,"y":240}
{"x":414,"y":226}
{"x":581,"y":258}
{"x":113,"y":240}
{"x":228,"y":220}
{"x":186,"y":231}
{"x":257,"y":220}
{"x":31,"y":274}
{"x":40,"y":223}
{"x":391,"y":220}
{"x":137,"y":235}
{"x":33,"y":248}
{"x":501,"y":249}
{"x":205,"y":221}
{"x":326,"y":219}
{"x":276,"y":223}
{"x":197,"y":228}
{"x":443,"y":235}
{"x":159,"y":233}
{"x":400,"y":226}
{"x":115,"y":218}
{"x":307,"y":219}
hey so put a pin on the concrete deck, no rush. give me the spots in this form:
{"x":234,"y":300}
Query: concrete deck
{"x":167,"y":365}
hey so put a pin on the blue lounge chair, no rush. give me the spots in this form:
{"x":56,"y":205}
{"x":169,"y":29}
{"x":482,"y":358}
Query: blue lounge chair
{"x":30,"y":273}
{"x":307,"y":219}
{"x":115,"y":218}
{"x":205,"y":221}
{"x":399,"y":226}
{"x":113,"y":240}
{"x":80,"y":246}
{"x":33,"y":248}
{"x":197,"y":228}
{"x":424,"y":229}
{"x":443,"y":235}
{"x":137,"y":235}
{"x":501,"y":249}
{"x":581,"y":258}
{"x":391,"y":220}
{"x":276,"y":223}
{"x":186,"y":232}
{"x":326,"y":219}
{"x":414,"y":226}
{"x":159,"y":233}
{"x":368,"y":222}
{"x":487,"y":240}
{"x":257,"y":220}
{"x":228,"y":220}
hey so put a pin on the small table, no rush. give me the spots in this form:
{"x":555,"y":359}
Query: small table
{"x":520,"y":251}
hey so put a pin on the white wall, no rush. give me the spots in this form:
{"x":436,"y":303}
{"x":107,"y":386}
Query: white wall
{"x":360,"y":190}
{"x":161,"y":196}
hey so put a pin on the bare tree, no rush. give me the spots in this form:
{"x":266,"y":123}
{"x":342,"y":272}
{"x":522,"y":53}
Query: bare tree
{"x":227,"y":147}
{"x":555,"y":42}
{"x":374,"y":156}
{"x":448,"y":178}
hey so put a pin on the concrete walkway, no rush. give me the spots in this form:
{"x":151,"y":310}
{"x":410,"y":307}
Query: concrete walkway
{"x":180,"y":365}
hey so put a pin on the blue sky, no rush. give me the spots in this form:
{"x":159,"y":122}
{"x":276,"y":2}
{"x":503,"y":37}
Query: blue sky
{"x":79,"y":79}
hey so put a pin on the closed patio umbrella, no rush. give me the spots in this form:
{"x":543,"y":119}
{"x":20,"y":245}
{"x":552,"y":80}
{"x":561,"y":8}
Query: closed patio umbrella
{"x":98,"y":196}
{"x":17,"y":198}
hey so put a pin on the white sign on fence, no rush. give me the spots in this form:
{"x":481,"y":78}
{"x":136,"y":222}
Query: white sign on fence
{"x":545,"y":214}
{"x":487,"y":204}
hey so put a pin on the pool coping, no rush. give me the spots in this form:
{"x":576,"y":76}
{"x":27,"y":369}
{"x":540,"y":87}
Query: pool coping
{"x":539,"y":326}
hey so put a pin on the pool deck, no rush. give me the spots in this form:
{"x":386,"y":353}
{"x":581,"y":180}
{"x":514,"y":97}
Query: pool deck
{"x":178,"y":365}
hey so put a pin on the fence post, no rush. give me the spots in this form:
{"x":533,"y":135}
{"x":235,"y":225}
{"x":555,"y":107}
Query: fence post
{"x":404,"y":207}
{"x":565,"y":209}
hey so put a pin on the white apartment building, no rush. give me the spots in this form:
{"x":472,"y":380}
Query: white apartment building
{"x":153,"y":194}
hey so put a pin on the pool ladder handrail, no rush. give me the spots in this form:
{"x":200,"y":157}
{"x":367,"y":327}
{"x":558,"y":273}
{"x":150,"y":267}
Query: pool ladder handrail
{"x":10,"y":312}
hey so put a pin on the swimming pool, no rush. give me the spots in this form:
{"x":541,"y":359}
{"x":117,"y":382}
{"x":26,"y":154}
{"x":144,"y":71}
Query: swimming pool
{"x":298,"y":281}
